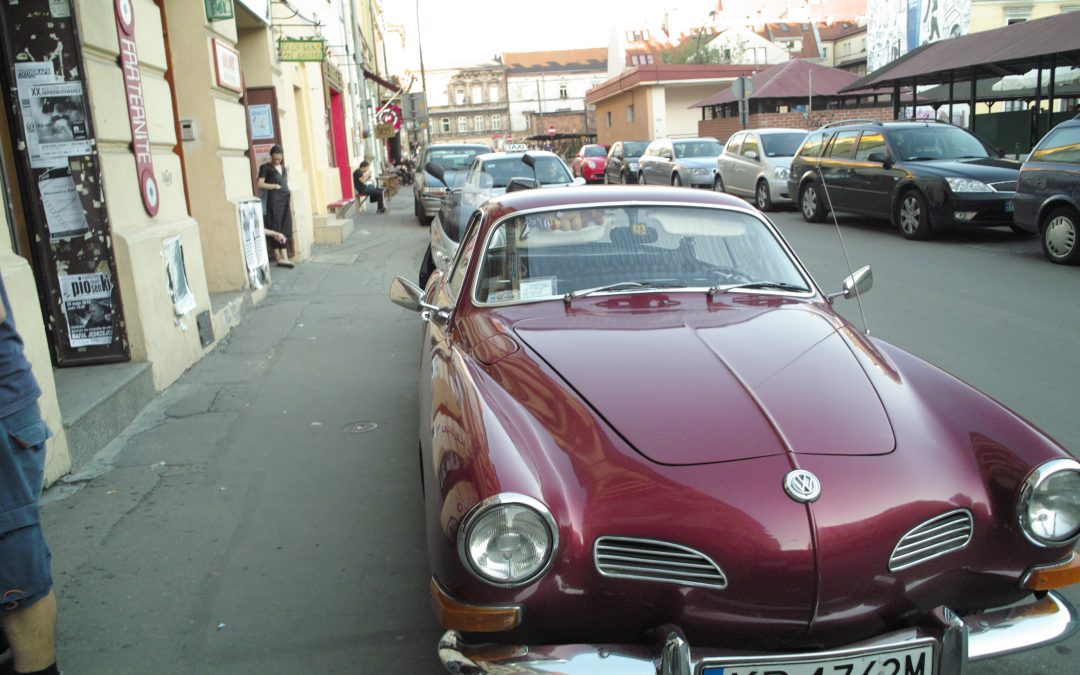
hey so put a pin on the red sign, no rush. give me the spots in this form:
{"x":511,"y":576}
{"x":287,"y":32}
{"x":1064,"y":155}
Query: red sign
{"x":136,"y":105}
{"x":551,"y":130}
{"x":391,"y":115}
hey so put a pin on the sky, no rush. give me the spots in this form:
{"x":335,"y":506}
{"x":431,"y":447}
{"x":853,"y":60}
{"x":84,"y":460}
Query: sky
{"x":464,"y":32}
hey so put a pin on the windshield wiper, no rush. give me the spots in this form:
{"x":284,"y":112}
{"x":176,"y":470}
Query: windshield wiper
{"x":919,"y":159}
{"x":569,"y":297}
{"x":775,"y":285}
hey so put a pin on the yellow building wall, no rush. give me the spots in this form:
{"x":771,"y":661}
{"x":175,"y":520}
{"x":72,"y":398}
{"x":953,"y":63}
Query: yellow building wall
{"x":991,"y":15}
{"x":170,"y":343}
{"x":620,"y":129}
{"x":26,"y":310}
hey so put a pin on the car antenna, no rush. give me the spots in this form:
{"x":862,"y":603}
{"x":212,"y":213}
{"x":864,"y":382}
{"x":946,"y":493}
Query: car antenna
{"x":843,"y":247}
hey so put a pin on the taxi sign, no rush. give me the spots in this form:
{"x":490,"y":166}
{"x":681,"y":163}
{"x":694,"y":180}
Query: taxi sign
{"x":516,"y":147}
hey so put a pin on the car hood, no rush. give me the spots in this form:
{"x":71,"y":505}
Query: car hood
{"x":697,"y":162}
{"x":986,"y":169}
{"x":721,"y":386}
{"x":779,"y":162}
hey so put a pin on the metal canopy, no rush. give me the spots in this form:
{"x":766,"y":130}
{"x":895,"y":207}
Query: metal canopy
{"x":1012,"y":50}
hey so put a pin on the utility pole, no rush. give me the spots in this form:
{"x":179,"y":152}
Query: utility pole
{"x":423,"y":77}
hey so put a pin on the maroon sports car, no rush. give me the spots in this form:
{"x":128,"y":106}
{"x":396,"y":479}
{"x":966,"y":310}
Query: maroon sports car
{"x":649,"y":445}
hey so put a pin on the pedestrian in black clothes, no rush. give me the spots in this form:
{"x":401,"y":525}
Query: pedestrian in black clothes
{"x":27,"y":602}
{"x":274,"y":184}
{"x":361,"y":179}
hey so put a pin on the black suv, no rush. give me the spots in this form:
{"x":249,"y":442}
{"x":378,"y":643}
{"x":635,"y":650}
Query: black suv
{"x":1048,"y":195}
{"x":921,"y":175}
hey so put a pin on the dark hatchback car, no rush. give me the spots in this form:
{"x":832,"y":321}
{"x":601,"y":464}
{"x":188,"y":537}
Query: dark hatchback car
{"x":921,"y":175}
{"x":622,"y":162}
{"x":1048,"y":193}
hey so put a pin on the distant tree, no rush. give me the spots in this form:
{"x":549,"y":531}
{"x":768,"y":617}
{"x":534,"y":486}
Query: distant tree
{"x":694,"y":50}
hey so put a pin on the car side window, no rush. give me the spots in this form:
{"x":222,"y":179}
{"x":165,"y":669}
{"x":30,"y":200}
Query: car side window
{"x":734,"y":143}
{"x":843,"y":144}
{"x":871,"y":141}
{"x":811,"y":147}
{"x":1060,"y":145}
{"x":665,"y":153}
{"x":461,"y":262}
{"x":751,"y":144}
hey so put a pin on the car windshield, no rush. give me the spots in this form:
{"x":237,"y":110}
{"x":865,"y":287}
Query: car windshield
{"x":782,"y":145}
{"x":595,"y":151}
{"x":549,"y":171}
{"x":453,"y":158}
{"x":548,"y":254}
{"x":697,"y":149}
{"x":936,"y":142}
{"x":633,"y":149}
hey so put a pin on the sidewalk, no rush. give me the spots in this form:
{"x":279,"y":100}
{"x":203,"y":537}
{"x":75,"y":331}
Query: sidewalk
{"x":237,"y":526}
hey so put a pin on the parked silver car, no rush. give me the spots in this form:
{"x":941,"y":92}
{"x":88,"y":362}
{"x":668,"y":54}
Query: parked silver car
{"x":755,"y":165}
{"x":679,"y":161}
{"x":428,"y":192}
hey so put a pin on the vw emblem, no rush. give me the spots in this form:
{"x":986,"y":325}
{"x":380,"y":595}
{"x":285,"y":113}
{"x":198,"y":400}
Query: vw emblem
{"x":802,"y":486}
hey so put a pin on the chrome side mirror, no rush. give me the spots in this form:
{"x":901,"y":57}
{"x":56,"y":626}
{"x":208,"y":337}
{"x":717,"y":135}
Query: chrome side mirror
{"x":858,"y":283}
{"x":406,"y":294}
{"x":578,"y":180}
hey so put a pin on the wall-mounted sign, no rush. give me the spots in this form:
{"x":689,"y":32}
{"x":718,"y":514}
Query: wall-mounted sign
{"x":227,"y":67}
{"x":136,"y":105}
{"x":301,"y":50}
{"x":217,"y":10}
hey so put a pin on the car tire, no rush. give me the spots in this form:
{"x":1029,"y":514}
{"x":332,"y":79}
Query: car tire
{"x":762,"y":196}
{"x":718,"y":184}
{"x":675,"y":180}
{"x":1059,"y":236}
{"x":913,"y":215}
{"x":427,"y":266}
{"x":810,"y":204}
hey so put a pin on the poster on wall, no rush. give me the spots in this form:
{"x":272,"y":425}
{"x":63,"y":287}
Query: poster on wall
{"x":262,"y":153}
{"x":179,"y":289}
{"x":59,"y":112}
{"x":254,"y":238}
{"x":26,"y":75}
{"x":262,"y":121}
{"x":88,"y":308}
{"x":64,"y":212}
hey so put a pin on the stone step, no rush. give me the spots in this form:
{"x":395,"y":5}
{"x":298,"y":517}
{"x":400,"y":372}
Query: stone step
{"x":332,"y":230}
{"x":98,"y":402}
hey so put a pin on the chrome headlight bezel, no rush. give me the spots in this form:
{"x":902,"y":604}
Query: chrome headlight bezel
{"x":497,"y":502}
{"x":962,"y":184}
{"x":1035,"y":480}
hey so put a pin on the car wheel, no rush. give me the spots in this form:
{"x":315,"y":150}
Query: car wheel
{"x":813,"y":211}
{"x":913,"y":215}
{"x":426,"y":268}
{"x":762,"y":197}
{"x":718,"y":184}
{"x":1059,"y":236}
{"x":676,"y":181}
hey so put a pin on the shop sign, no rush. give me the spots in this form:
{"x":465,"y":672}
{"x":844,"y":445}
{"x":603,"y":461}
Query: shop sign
{"x":384,"y":131}
{"x":290,"y":49}
{"x":227,"y":67}
{"x":217,"y":10}
{"x":136,"y":106}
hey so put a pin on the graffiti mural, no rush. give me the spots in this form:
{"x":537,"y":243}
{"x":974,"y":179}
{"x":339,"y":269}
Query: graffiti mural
{"x":895,"y":27}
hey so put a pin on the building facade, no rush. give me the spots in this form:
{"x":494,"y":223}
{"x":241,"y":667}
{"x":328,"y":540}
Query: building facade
{"x":468,"y":105}
{"x":130,"y":139}
{"x":546,"y":90}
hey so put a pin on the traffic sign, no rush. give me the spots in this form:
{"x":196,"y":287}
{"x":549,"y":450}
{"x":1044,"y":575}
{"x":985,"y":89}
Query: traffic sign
{"x":551,"y":130}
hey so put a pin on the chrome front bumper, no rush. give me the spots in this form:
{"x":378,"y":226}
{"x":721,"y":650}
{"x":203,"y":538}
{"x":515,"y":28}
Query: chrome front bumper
{"x":959,"y":640}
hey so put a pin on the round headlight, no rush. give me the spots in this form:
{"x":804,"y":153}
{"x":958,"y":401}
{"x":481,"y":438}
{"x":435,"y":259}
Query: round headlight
{"x":508,"y":539}
{"x":1049,"y":505}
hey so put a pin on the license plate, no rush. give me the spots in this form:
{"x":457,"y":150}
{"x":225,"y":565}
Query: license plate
{"x":917,"y":660}
{"x":1009,"y":206}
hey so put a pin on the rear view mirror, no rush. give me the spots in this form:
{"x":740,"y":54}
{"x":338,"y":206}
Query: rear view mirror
{"x":578,"y":180}
{"x":858,"y":283}
{"x":406,"y":294}
{"x":750,"y":154}
{"x":879,"y":157}
{"x":436,"y":170}
{"x":521,"y":183}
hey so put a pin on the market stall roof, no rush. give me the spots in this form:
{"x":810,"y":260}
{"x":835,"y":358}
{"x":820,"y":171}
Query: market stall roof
{"x":997,"y":89}
{"x":1011,"y":50}
{"x":791,"y":79}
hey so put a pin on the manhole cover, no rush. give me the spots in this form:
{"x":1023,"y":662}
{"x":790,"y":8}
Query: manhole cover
{"x":360,"y":427}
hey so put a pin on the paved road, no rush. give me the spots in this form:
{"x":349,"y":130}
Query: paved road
{"x":236,"y":528}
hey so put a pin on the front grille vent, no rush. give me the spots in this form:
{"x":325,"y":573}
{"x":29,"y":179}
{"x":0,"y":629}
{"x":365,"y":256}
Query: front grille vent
{"x":1004,"y":186}
{"x":660,"y":561}
{"x":944,"y":534}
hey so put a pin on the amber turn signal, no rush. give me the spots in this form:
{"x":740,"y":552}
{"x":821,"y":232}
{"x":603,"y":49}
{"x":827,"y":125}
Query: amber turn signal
{"x":455,"y":615}
{"x":1047,"y":577}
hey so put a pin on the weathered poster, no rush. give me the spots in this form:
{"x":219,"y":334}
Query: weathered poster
{"x":64,"y":212}
{"x":183,"y":298}
{"x":254,"y":237}
{"x":59,"y":112}
{"x":88,"y":308}
{"x":60,"y":9}
{"x":26,"y":75}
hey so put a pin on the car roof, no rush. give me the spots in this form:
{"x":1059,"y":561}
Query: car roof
{"x":503,"y":155}
{"x":463,"y":146}
{"x":778,"y":130}
{"x":599,"y":195}
{"x":888,"y":124}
